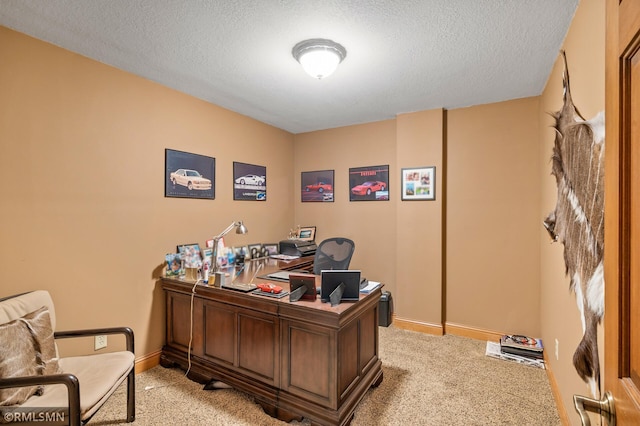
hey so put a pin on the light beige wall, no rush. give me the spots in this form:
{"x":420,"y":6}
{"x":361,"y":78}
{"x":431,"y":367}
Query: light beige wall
{"x":419,"y":277}
{"x":560,"y":319}
{"x":493,"y":217}
{"x":83,"y":209}
{"x":370,"y":224}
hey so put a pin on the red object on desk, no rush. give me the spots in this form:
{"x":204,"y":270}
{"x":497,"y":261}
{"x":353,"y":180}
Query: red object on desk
{"x":269,"y":288}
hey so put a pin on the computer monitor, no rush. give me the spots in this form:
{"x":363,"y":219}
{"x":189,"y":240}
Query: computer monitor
{"x":331,"y":280}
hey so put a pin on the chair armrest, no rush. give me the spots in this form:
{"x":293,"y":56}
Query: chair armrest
{"x":128,"y":333}
{"x":69,"y":380}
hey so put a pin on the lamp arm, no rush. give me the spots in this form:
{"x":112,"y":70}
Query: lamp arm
{"x":226,"y":231}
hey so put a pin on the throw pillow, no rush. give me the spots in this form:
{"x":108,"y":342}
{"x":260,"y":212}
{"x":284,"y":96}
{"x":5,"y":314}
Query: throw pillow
{"x":39,"y":324}
{"x":17,"y":358}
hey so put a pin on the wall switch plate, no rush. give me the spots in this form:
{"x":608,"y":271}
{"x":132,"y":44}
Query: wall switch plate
{"x":100,"y":342}
{"x":557,"y":349}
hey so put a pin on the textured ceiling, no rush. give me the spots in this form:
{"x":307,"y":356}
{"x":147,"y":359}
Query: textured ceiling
{"x":402,"y":55}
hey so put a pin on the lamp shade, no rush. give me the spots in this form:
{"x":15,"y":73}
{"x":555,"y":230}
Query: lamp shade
{"x":319,"y":57}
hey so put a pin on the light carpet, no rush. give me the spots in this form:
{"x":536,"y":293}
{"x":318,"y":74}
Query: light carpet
{"x":428,"y":380}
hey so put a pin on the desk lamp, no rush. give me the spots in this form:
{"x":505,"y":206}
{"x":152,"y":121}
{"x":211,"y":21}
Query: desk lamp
{"x":240,"y":229}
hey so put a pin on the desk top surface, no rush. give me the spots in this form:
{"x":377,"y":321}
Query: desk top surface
{"x":254,"y":271}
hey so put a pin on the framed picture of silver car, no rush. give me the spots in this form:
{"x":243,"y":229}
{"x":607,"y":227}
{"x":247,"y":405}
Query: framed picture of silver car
{"x":418,"y":183}
{"x":189,"y":175}
{"x":369,"y":183}
{"x":249,"y":182}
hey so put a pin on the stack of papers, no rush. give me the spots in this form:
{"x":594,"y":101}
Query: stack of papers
{"x":371,"y":285}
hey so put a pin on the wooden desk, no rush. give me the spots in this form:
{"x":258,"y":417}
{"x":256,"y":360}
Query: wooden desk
{"x":303,"y":359}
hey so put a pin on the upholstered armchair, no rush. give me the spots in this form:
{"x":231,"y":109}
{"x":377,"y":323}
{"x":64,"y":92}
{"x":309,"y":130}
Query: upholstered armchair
{"x":33,"y":377}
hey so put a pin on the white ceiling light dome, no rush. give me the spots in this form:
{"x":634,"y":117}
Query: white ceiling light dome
{"x":319,"y":57}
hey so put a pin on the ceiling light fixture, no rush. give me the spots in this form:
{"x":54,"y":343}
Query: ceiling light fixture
{"x":319,"y":57}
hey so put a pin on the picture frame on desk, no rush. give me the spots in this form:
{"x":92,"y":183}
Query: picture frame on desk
{"x":174,"y":265}
{"x":317,"y":186}
{"x":254,"y":251}
{"x":272,"y":248}
{"x":191,"y":255}
{"x":188,"y":175}
{"x":418,"y":184}
{"x":307,"y":233}
{"x":369,"y":183}
{"x":249,"y":182}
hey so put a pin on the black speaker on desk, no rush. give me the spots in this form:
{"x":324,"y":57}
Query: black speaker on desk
{"x":385,"y":309}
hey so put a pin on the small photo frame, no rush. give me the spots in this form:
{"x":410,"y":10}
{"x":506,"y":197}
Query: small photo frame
{"x":317,"y":186}
{"x":189,"y":175}
{"x":272,"y":248}
{"x":174,"y":265}
{"x":207,"y":257}
{"x":307,"y":233}
{"x":191,"y":255}
{"x":369,"y":183}
{"x":418,"y":183}
{"x":249,"y":182}
{"x":254,"y":251}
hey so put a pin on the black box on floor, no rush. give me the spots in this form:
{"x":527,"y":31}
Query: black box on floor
{"x":385,"y":309}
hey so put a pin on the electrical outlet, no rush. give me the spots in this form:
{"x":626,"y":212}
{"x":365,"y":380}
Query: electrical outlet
{"x":100,"y":342}
{"x":557,"y":349}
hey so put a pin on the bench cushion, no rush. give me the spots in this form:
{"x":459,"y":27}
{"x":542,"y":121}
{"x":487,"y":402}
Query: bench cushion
{"x":99,"y":376}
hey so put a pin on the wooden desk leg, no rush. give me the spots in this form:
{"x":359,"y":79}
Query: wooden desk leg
{"x":279,"y":413}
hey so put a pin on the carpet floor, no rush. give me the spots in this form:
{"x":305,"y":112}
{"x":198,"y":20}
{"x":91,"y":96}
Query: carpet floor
{"x":428,"y":380}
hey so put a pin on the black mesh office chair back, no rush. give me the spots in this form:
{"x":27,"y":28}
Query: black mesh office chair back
{"x":333,"y":253}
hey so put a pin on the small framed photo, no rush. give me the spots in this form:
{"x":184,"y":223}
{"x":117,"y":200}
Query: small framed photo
{"x":240,"y":253}
{"x":189,"y":175}
{"x":418,"y":183}
{"x":254,"y":251}
{"x":307,"y":233}
{"x":174,"y":265}
{"x":369,"y":183}
{"x":272,"y":248}
{"x":249,"y":182}
{"x":191,"y":255}
{"x":207,"y":257}
{"x":317,"y":186}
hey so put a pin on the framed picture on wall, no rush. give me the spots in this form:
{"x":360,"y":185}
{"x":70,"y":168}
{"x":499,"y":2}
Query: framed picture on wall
{"x":369,"y":183}
{"x":189,"y":175}
{"x":317,"y":186}
{"x":418,"y":183}
{"x":249,"y":182}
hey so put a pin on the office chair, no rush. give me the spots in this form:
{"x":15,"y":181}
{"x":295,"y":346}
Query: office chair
{"x":333,"y":253}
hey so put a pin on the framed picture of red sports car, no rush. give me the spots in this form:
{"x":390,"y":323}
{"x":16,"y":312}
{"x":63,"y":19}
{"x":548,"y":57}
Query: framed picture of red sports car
{"x":418,"y":183}
{"x":369,"y":183}
{"x":317,"y":186}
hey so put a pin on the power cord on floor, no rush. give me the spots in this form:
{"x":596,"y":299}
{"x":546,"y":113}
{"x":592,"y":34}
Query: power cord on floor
{"x":193,"y":293}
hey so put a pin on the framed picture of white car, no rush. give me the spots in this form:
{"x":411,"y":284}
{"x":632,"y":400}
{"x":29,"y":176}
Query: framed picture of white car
{"x":249,"y":182}
{"x":189,"y":175}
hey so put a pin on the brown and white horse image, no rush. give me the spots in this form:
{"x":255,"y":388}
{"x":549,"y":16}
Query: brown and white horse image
{"x":578,"y":221}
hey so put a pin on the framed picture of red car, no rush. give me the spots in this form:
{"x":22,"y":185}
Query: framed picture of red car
{"x":249,"y":182}
{"x":418,"y":183}
{"x":317,"y":186}
{"x":369,"y":183}
{"x":189,"y":175}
